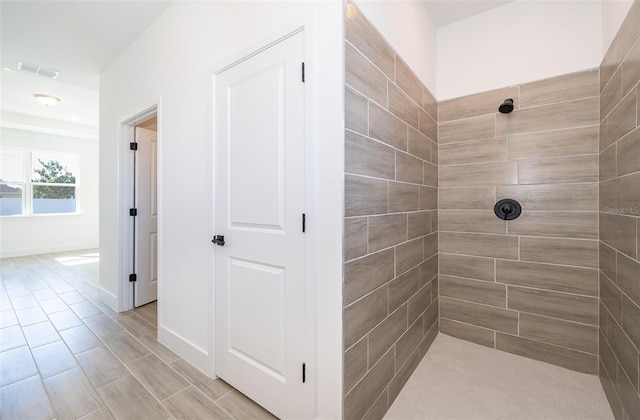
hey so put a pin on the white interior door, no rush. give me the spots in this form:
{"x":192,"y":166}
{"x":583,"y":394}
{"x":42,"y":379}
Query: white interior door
{"x":260,"y":270}
{"x":146,"y":223}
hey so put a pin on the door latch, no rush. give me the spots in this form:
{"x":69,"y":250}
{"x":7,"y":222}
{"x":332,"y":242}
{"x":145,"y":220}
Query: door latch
{"x":218,"y":240}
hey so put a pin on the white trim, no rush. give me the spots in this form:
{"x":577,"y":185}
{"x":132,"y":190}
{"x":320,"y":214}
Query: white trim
{"x":195,"y":355}
{"x":47,"y":249}
{"x":107,"y":297}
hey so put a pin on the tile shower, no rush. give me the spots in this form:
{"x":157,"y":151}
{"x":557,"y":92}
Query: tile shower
{"x":424,"y":251}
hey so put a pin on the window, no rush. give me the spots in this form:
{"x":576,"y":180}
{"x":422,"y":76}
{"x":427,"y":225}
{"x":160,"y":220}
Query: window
{"x":34,"y":182}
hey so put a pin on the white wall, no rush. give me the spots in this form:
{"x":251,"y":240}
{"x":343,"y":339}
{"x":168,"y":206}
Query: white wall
{"x":408,"y":27}
{"x":516,"y":43}
{"x":172,"y":62}
{"x":613,"y":13}
{"x":31,"y":235}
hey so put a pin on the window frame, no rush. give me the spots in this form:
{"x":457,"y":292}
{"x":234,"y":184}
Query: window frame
{"x":28,"y":183}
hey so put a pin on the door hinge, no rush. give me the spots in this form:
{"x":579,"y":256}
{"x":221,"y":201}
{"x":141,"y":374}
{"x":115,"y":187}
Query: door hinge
{"x":133,"y":277}
{"x":304,"y":223}
{"x":133,"y":146}
{"x":303,"y":73}
{"x":304,"y":372}
{"x":133,"y":212}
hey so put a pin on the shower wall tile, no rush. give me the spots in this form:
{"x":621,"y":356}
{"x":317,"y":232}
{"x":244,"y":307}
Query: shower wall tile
{"x":619,"y":337}
{"x":390,"y":289}
{"x":546,"y":261}
{"x":566,"y":142}
{"x":559,"y":89}
{"x":477,"y":104}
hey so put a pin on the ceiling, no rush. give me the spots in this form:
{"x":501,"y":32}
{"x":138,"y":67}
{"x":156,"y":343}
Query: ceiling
{"x":80,"y":38}
{"x":77,"y":38}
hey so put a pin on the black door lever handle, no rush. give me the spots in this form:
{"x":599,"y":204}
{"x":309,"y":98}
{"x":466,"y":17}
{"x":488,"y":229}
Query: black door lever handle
{"x":218,"y":240}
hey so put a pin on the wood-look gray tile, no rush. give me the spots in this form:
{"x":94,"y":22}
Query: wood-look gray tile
{"x":480,"y":245}
{"x":611,"y":94}
{"x":212,"y":388}
{"x":7,"y":318}
{"x":428,"y":270}
{"x":402,"y":106}
{"x":368,"y":40}
{"x":583,"y":253}
{"x":488,"y":150}
{"x":368,"y":157}
{"x":192,"y":404}
{"x":480,"y":174}
{"x":101,"y":413}
{"x":363,"y":76}
{"x":559,"y":356}
{"x":72,"y":394}
{"x":361,"y":316}
{"x":382,"y":337}
{"x":85,"y":309}
{"x":428,"y":125}
{"x":386,"y":231}
{"x":628,"y":275}
{"x":631,"y":68}
{"x":366,"y":274}
{"x":25,"y":399}
{"x":126,"y":398}
{"x":50,"y":306}
{"x":474,"y":128}
{"x":356,"y":115}
{"x":560,"y":88}
{"x":558,"y":278}
{"x":430,"y":174}
{"x":403,"y":287}
{"x":628,"y":153}
{"x":409,"y":168}
{"x":409,"y":342}
{"x":418,"y":303}
{"x":125,"y":346}
{"x":467,"y":332}
{"x":15,"y":365}
{"x":621,"y":120}
{"x":53,"y":359}
{"x":151,"y":342}
{"x":577,"y":113}
{"x":429,"y":103}
{"x":419,"y":224}
{"x":565,"y":142}
{"x":499,"y":319}
{"x":102,"y":325}
{"x":565,"y":306}
{"x":479,"y":221}
{"x":11,"y":338}
{"x":625,"y":352}
{"x":408,"y":255}
{"x":355,"y":363}
{"x":485,"y":292}
{"x":386,"y":127}
{"x":365,"y":196}
{"x":576,"y":197}
{"x":464,"y":266}
{"x":407,"y":80}
{"x":24,"y":302}
{"x":607,"y":163}
{"x":473,"y":198}
{"x":476,"y":104}
{"x":40,"y":334}
{"x":631,"y":320}
{"x":403,"y":197}
{"x":628,"y":395}
{"x":355,"y":237}
{"x":358,"y":401}
{"x":419,"y":145}
{"x":570,"y":169}
{"x":157,"y":377}
{"x":80,"y":339}
{"x":30,"y":316}
{"x":618,"y":232}
{"x":101,"y":366}
{"x":241,"y":407}
{"x":607,"y":261}
{"x":581,"y":225}
{"x":136,"y":325}
{"x":563,"y":333}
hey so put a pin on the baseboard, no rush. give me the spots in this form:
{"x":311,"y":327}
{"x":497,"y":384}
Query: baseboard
{"x":193,"y":354}
{"x":108,"y":298}
{"x":10,"y":253}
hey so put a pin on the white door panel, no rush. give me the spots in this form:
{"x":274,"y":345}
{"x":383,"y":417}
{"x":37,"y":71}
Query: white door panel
{"x":146,"y":223}
{"x":260,"y":272}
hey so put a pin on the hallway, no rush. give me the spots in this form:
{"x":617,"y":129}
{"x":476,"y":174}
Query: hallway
{"x":66,"y":355}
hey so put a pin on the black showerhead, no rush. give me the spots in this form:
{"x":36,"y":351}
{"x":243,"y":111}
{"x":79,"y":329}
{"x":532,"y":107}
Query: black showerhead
{"x":507,"y":106}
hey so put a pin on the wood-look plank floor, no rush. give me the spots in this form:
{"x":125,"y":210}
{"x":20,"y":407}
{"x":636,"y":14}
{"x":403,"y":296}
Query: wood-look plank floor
{"x":66,"y":355}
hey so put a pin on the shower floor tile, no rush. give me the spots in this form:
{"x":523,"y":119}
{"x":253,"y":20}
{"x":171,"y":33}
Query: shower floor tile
{"x":462,"y":380}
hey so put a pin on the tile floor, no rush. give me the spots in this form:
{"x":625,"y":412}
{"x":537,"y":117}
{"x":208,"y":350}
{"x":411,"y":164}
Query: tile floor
{"x":461,"y":380}
{"x":66,"y":355}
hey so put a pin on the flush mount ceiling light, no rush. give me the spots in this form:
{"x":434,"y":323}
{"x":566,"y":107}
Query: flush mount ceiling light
{"x":46,"y":100}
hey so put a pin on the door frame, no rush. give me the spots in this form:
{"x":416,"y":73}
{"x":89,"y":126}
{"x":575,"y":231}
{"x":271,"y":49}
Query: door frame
{"x":126,"y":134}
{"x":312,"y":236}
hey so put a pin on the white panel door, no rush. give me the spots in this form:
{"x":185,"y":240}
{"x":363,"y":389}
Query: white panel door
{"x":260,"y":270}
{"x":146,"y":230}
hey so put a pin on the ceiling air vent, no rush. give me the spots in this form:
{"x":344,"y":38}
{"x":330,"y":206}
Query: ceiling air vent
{"x":37,"y":70}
